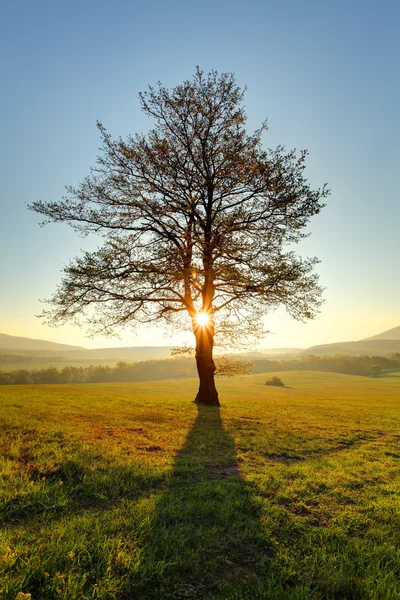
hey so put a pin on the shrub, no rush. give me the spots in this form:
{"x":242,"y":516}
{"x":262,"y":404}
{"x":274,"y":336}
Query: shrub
{"x":375,"y":370}
{"x":275,"y":381}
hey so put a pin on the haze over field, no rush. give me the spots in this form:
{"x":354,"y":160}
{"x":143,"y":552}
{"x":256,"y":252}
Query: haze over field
{"x":385,"y":343}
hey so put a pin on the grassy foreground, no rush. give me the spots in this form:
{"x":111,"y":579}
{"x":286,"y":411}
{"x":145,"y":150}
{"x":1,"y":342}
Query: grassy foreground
{"x":128,"y":491}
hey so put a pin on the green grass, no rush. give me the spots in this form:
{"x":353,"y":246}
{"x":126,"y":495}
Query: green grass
{"x":128,"y":491}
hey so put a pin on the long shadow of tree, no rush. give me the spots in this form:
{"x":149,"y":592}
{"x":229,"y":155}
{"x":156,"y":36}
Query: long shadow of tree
{"x":205,"y":538}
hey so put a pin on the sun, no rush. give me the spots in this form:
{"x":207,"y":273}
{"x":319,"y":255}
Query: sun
{"x":202,"y":319}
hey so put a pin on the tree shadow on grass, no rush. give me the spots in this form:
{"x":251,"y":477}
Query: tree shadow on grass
{"x":142,"y":535}
{"x":204,"y":539}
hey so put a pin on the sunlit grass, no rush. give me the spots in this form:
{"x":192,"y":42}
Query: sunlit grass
{"x":127,"y":491}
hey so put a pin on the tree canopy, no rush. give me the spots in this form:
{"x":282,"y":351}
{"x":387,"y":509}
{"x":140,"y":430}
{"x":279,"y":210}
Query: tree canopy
{"x":197,"y":220}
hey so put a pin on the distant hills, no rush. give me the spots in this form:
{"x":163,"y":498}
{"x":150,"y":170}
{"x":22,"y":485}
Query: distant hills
{"x":280,"y":351}
{"x":367,"y":347}
{"x":387,"y":342}
{"x":12,"y":342}
{"x":131,"y":353}
{"x":64,"y":352}
{"x":390,"y":334}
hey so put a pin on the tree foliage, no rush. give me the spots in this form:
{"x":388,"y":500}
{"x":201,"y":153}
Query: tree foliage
{"x":375,"y":370}
{"x":196,"y":218}
{"x":275,"y":381}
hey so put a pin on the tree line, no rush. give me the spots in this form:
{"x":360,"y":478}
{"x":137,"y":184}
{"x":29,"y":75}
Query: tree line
{"x":340,"y":363}
{"x":184,"y":367}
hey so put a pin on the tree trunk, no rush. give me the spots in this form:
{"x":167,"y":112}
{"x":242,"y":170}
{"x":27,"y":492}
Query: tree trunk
{"x":207,"y":393}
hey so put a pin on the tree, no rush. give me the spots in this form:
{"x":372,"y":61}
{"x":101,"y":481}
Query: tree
{"x":275,"y":381}
{"x":375,"y":370}
{"x":196,"y":217}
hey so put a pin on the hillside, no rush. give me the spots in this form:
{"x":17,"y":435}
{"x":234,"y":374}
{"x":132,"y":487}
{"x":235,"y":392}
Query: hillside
{"x":376,"y":347}
{"x":43,"y":353}
{"x":387,"y":342}
{"x":130,"y":353}
{"x":390,"y":334}
{"x":12,"y":342}
{"x":278,"y":352}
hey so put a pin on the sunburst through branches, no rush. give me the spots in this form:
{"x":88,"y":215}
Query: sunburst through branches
{"x":202,"y":319}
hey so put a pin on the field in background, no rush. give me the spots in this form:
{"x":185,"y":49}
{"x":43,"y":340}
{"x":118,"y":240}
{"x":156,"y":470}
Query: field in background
{"x":129,"y":491}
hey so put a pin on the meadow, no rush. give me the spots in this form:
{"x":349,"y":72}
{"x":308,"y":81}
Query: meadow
{"x":131,"y":491}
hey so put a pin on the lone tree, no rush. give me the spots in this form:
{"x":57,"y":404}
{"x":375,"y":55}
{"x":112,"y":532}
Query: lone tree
{"x":375,"y":370}
{"x":195,"y":217}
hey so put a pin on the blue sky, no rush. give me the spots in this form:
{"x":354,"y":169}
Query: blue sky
{"x":325,"y":74}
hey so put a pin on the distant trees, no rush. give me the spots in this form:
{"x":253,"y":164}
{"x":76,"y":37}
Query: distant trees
{"x":196,"y":218}
{"x":183,"y":367}
{"x":150,"y":370}
{"x":275,"y":381}
{"x":375,"y":370}
{"x":348,"y":365}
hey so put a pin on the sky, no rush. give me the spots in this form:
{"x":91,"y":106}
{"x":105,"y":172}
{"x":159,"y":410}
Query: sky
{"x":324,"y":74}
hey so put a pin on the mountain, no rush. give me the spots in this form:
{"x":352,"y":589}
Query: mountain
{"x":275,"y":352}
{"x":363,"y":347}
{"x":387,"y":342}
{"x":132,"y":353}
{"x":12,"y":342}
{"x":390,"y":334}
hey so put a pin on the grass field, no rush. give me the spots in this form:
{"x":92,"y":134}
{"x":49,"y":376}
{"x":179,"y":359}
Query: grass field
{"x":128,"y":491}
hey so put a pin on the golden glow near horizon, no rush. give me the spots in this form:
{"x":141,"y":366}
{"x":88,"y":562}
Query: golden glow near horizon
{"x":202,"y":319}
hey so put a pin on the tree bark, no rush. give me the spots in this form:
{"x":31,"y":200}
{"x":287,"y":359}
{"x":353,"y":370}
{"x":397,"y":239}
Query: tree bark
{"x":207,"y":393}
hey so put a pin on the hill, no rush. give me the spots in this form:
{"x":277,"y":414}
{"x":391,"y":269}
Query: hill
{"x":390,"y":334}
{"x":12,"y":342}
{"x":130,"y":353}
{"x":65,"y":353}
{"x":43,"y":353}
{"x":370,"y":347}
{"x":280,"y":352}
{"x":387,"y":342}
